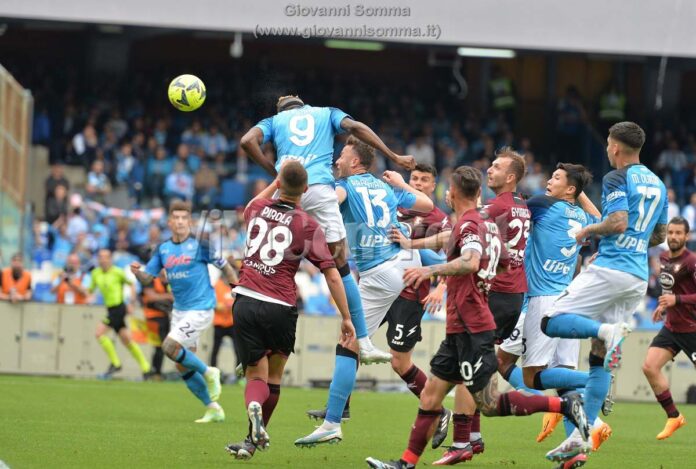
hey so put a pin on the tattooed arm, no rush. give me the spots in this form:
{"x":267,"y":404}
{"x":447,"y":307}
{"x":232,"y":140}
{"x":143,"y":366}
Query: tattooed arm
{"x":658,"y":235}
{"x":615,"y":223}
{"x":467,"y":263}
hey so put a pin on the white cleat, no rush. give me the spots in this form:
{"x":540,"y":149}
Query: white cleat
{"x":370,"y":354}
{"x":320,"y":436}
{"x":259,"y":436}
{"x":212,"y":416}
{"x":569,"y":448}
{"x":612,"y":359}
{"x":212,"y":379}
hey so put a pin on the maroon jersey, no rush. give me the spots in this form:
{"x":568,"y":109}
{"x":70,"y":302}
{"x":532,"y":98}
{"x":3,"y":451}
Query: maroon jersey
{"x":678,"y":277}
{"x":279,"y":236}
{"x":512,"y":216}
{"x":467,"y":295}
{"x":422,"y":226}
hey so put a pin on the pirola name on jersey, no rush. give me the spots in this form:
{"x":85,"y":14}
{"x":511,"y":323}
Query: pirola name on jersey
{"x":275,"y":215}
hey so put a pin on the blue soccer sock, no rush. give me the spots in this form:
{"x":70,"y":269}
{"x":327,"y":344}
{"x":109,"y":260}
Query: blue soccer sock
{"x":571,"y":326}
{"x":516,"y":380}
{"x":342,"y":383}
{"x":597,"y":387}
{"x":189,"y":360}
{"x":357,"y":316}
{"x":196,"y":384}
{"x":560,"y":378}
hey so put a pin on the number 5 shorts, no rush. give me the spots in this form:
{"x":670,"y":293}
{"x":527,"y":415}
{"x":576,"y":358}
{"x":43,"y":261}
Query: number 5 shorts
{"x":187,"y":326}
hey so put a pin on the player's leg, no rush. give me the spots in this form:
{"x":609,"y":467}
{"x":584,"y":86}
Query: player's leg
{"x":218,"y":334}
{"x":663,"y":348}
{"x":462,"y":444}
{"x":108,"y":345}
{"x":125,"y":336}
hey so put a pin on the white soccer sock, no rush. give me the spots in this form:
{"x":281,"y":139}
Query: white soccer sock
{"x":473,"y":436}
{"x":365,"y":342}
{"x":328,"y":426}
{"x":459,"y":444}
{"x":605,"y":331}
{"x":214,"y":405}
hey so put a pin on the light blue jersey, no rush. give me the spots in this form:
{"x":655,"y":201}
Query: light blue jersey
{"x":636,"y":190}
{"x":552,"y":252}
{"x":186,"y":264}
{"x":305,"y":134}
{"x":369,"y":212}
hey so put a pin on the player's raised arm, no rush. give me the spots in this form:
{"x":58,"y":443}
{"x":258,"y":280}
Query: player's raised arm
{"x":335,"y":284}
{"x":587,"y":205}
{"x":251,"y":143}
{"x":422,"y":202}
{"x":367,"y":135}
{"x":267,"y":193}
{"x":434,"y":242}
{"x":143,"y":277}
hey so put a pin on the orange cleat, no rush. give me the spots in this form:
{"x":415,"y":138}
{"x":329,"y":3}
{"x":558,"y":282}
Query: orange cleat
{"x":599,"y":435}
{"x":671,"y":426}
{"x":548,"y":425}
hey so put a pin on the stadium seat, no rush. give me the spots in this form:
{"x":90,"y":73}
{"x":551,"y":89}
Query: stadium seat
{"x":232,"y":194}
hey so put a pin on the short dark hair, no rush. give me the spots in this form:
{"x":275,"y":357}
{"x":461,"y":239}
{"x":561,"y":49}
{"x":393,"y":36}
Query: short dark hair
{"x":293,"y":178}
{"x":17,"y":256}
{"x":517,"y":163}
{"x":179,"y":205}
{"x":467,"y":180}
{"x":577,"y":176}
{"x":426,"y":168}
{"x":680,"y":221}
{"x":366,"y":154}
{"x":628,"y":133}
{"x":288,"y":102}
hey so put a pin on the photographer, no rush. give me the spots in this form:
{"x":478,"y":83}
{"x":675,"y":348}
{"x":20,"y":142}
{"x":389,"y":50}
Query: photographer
{"x":68,"y":287}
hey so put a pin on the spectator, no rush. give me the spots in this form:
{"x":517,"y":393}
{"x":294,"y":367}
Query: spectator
{"x":84,"y":146}
{"x":117,"y":124}
{"x":125,"y":160}
{"x":215,"y":142}
{"x":15,"y":282}
{"x":77,"y":225}
{"x":70,"y":287}
{"x":41,"y":130}
{"x":421,"y":150}
{"x":673,"y":207}
{"x":157,"y":170}
{"x":221,"y":167}
{"x":194,"y":136}
{"x":191,"y":162}
{"x":55,"y":178}
{"x":672,"y":167}
{"x":98,"y":185}
{"x":206,"y":184}
{"x":179,"y":184}
{"x":57,"y":206}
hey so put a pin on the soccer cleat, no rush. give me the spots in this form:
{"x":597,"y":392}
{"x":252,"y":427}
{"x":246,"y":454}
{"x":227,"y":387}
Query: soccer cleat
{"x":612,"y":359}
{"x":600,"y":434}
{"x":608,"y":404}
{"x":548,"y":425}
{"x":244,"y":450}
{"x":477,"y":446}
{"x":370,"y":354}
{"x":572,"y":408}
{"x":109,"y":373}
{"x":320,"y":436}
{"x":239,"y":371}
{"x":212,"y":416}
{"x":320,"y":414}
{"x":574,"y":462}
{"x":568,"y":449}
{"x":455,"y":455}
{"x":672,"y":426}
{"x":398,"y":464}
{"x":258,"y":433}
{"x":442,"y":428}
{"x":212,"y":379}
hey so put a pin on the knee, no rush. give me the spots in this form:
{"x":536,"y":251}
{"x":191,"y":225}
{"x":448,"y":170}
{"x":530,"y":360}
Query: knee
{"x":400,"y":363}
{"x":428,"y":401}
{"x":649,"y":369}
{"x":170,"y":348}
{"x":529,"y":376}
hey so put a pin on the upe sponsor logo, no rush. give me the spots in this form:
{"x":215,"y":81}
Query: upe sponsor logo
{"x":555,"y":266}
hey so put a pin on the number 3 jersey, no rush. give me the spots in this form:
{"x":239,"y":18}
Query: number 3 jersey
{"x":467,"y":295}
{"x":279,"y":236}
{"x":305,"y":134}
{"x":369,"y":211}
{"x":552,"y":251}
{"x":636,"y":190}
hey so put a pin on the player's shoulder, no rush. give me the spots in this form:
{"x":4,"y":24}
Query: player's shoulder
{"x":615,"y":177}
{"x":691,"y":258}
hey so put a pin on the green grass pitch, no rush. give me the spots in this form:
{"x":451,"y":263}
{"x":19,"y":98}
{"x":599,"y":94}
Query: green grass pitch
{"x":49,"y":422}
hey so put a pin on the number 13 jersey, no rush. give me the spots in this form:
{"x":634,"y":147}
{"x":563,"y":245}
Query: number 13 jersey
{"x":279,"y":236}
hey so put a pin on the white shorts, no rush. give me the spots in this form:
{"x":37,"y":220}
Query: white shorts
{"x":540,"y":349}
{"x":605,"y":295}
{"x":186,"y":326}
{"x":381,"y":286}
{"x":515,"y":344}
{"x":321,"y":202}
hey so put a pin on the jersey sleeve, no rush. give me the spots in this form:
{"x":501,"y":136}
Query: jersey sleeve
{"x":539,"y":205}
{"x":664,"y":214}
{"x":154,"y":265}
{"x":208,"y":253}
{"x":343,"y":184}
{"x":405,"y":199}
{"x":614,"y":186}
{"x":337,"y":116}
{"x":318,"y":252}
{"x":266,"y":126}
{"x":250,"y":210}
{"x":469,"y":238}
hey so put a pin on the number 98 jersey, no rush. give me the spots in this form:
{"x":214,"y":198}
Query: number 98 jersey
{"x":279,"y":236}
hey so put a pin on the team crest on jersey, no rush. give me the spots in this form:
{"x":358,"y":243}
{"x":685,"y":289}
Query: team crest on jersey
{"x":666,"y":281}
{"x":189,"y":246}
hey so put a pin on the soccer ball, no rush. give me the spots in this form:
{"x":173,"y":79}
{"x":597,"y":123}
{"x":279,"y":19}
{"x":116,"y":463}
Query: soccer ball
{"x":186,"y":93}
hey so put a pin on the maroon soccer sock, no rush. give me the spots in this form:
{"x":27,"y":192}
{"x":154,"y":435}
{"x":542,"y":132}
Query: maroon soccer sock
{"x":269,"y":406}
{"x":665,"y":400}
{"x":420,"y":434}
{"x":462,"y":428}
{"x":256,"y":390}
{"x":415,"y":380}
{"x":516,"y":403}
{"x":476,"y":422}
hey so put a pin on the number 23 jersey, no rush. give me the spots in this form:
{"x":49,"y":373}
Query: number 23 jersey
{"x":279,"y":236}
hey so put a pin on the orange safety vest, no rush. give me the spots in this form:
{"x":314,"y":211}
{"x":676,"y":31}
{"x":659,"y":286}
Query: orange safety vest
{"x":151,"y":313}
{"x":223,"y":309}
{"x":22,"y":285}
{"x":64,"y":288}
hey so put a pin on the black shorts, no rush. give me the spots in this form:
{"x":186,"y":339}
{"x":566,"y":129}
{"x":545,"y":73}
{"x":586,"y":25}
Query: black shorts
{"x":262,"y":328}
{"x":466,"y":358}
{"x":404,"y":319}
{"x":676,"y":342}
{"x":506,"y":309}
{"x":116,"y":317}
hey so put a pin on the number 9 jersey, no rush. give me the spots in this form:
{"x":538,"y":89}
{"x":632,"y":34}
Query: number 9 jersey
{"x":636,"y":190}
{"x":279,"y":236}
